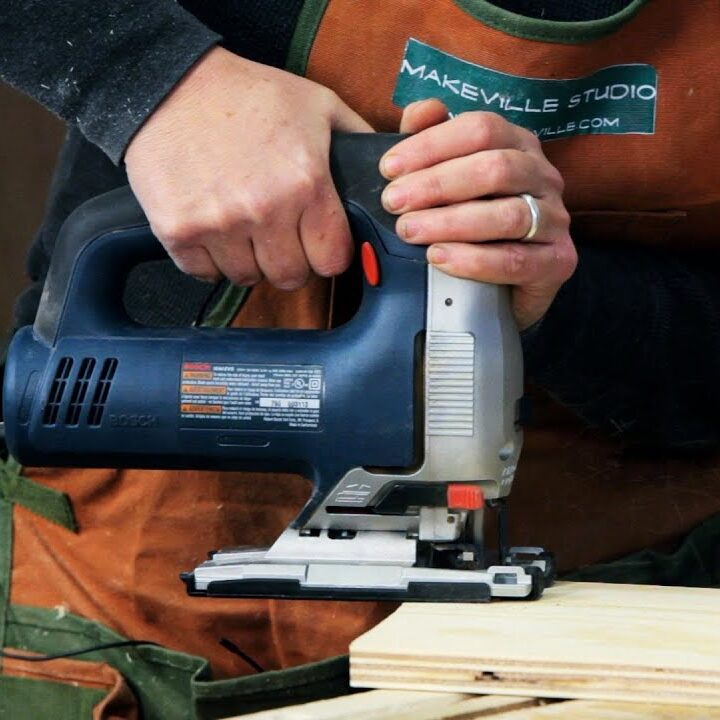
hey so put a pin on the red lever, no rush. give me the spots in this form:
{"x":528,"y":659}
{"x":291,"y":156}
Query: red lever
{"x":461,"y":496}
{"x":370,"y":264}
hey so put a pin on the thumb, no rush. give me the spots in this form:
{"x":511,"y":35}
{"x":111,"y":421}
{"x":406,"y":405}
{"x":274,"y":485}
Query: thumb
{"x":423,"y":114}
{"x":347,"y":120}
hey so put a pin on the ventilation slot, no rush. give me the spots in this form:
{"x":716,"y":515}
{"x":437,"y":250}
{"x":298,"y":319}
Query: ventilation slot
{"x":450,"y":384}
{"x":80,"y":389}
{"x":101,"y":392}
{"x":57,"y":390}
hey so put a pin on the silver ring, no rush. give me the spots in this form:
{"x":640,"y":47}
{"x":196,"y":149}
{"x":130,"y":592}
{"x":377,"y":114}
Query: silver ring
{"x":534,"y":216}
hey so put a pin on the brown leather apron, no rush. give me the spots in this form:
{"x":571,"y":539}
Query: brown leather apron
{"x":613,"y":181}
{"x":574,"y":493}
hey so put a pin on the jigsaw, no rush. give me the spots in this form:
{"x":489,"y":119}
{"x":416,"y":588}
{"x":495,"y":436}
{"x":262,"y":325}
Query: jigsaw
{"x":405,"y":418}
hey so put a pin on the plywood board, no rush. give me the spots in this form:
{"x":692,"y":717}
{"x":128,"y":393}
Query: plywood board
{"x":399,"y":705}
{"x":594,"y":710}
{"x":414,"y":705}
{"x":580,"y":640}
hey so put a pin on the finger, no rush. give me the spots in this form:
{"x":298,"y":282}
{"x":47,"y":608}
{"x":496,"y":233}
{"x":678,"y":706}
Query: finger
{"x":347,"y":120}
{"x":482,"y":220}
{"x":279,"y":253}
{"x":499,"y":263}
{"x":422,"y":114}
{"x":491,"y":172}
{"x":537,"y":270}
{"x":463,"y":135}
{"x":235,"y":259}
{"x":325,"y":234}
{"x":197,"y":262}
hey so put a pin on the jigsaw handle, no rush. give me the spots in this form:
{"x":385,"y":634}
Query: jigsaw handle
{"x":358,"y":379}
{"x":83,"y":293}
{"x":109,"y":235}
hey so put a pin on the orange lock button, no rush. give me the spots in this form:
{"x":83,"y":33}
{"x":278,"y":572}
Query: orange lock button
{"x":370,"y":264}
{"x":461,"y":496}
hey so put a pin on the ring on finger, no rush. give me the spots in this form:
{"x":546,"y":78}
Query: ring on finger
{"x":534,"y":216}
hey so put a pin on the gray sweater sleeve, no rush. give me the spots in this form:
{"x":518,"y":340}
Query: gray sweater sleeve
{"x":102,"y":65}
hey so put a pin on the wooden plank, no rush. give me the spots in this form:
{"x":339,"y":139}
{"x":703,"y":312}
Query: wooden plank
{"x":398,"y":705}
{"x":414,"y":705}
{"x":581,"y":640}
{"x":590,"y":710}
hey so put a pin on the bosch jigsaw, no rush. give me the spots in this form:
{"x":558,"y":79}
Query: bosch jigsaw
{"x":405,"y":417}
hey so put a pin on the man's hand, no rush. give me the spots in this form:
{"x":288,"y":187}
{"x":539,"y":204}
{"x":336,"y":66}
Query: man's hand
{"x":233,"y":174}
{"x":456,"y":185}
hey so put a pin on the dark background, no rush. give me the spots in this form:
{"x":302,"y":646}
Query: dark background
{"x":30,"y":139}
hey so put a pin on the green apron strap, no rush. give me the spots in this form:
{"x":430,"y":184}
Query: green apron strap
{"x":227,"y":307}
{"x":272,"y":689}
{"x":44,"y":501}
{"x":5,"y":565}
{"x":49,"y":503}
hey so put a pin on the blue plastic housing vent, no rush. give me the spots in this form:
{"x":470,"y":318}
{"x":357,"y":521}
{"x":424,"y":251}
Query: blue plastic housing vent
{"x":57,"y":390}
{"x":79,"y":391}
{"x":102,"y":390}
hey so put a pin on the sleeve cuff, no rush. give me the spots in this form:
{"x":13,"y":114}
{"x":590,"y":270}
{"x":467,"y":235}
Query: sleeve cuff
{"x":100,"y":65}
{"x":147,"y":69}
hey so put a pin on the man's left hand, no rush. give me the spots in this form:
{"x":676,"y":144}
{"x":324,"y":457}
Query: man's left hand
{"x":457,"y":185}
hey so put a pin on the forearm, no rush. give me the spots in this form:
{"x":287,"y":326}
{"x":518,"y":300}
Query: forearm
{"x":632,"y":344}
{"x":100,"y":65}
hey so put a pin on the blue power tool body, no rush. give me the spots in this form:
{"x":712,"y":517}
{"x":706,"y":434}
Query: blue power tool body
{"x":404,"y":418}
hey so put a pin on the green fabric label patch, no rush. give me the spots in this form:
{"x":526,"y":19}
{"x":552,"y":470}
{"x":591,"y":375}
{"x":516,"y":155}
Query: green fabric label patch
{"x":617,"y":100}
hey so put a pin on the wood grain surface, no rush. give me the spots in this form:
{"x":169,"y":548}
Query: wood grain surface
{"x":416,"y":705}
{"x":580,"y":640}
{"x":399,"y":705}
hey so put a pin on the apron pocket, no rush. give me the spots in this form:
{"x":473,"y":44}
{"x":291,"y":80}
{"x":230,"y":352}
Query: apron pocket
{"x":268,"y":690}
{"x":67,"y":689}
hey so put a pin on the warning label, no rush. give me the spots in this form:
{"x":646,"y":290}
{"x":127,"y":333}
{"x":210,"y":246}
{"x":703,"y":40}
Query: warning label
{"x":251,"y":397}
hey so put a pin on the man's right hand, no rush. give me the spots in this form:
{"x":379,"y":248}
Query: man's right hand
{"x":232,"y":171}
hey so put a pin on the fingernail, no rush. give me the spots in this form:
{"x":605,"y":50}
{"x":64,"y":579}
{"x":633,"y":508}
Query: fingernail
{"x":391,"y":165}
{"x":436,"y":255}
{"x":408,"y":228}
{"x":393,"y":198}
